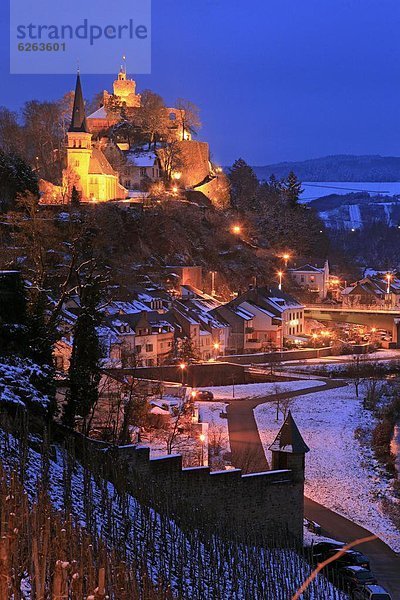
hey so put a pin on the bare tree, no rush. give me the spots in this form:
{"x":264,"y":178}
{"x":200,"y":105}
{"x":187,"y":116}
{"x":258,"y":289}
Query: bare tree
{"x":189,"y":117}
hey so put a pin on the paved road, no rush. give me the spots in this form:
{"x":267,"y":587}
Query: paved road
{"x":384,"y":562}
{"x":246,"y":447}
{"x":248,"y":454}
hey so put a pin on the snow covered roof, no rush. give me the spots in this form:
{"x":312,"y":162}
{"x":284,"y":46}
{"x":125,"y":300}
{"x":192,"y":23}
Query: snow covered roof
{"x":100,"y":113}
{"x":144,"y":159}
{"x":289,"y":438}
{"x":307,"y":269}
{"x":127,"y":308}
{"x":244,"y":314}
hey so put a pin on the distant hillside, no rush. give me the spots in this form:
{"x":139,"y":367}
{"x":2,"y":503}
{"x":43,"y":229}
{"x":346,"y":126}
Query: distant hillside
{"x":340,"y":167}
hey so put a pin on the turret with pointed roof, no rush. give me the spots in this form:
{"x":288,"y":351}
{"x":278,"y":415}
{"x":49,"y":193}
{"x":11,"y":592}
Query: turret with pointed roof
{"x":288,"y":449}
{"x":78,"y":121}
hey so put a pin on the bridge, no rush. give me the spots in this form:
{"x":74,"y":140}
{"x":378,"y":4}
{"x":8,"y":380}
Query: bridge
{"x":372,"y":316}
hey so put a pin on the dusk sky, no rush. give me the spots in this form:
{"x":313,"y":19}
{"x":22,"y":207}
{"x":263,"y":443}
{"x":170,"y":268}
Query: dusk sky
{"x":275,"y":79}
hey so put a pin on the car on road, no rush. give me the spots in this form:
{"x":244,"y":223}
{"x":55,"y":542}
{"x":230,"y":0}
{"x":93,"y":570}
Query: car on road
{"x":320,"y":549}
{"x":353,"y":577}
{"x":349,"y":558}
{"x":204,"y":395}
{"x":371,"y":592}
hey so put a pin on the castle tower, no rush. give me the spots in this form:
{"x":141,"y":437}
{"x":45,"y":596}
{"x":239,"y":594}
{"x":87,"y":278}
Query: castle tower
{"x":79,"y":148}
{"x":289,"y":450}
{"x":125,"y":89}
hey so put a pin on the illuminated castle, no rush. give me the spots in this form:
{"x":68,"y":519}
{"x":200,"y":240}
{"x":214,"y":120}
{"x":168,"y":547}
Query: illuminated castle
{"x":124,"y":90}
{"x":87,"y":167}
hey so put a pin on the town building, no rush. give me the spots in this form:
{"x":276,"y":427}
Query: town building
{"x":88,"y":169}
{"x":141,"y":169}
{"x":313,"y":278}
{"x":382,"y":291}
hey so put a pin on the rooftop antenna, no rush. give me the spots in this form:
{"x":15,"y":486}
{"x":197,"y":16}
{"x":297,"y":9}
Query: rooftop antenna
{"x":124,"y":64}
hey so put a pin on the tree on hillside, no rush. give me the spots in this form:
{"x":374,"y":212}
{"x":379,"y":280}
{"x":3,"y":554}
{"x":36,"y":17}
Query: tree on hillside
{"x":16,"y":178}
{"x":95,"y":103}
{"x":65,"y":105}
{"x":244,"y":185}
{"x":11,"y":140}
{"x":172,"y":159}
{"x":44,"y":138}
{"x":188,"y":117}
{"x":292,"y":189}
{"x":13,"y":319}
{"x":84,"y":371}
{"x":75,"y":198}
{"x":152,"y":114}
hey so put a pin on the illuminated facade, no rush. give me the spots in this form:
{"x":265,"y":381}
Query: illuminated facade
{"x":87,"y":167}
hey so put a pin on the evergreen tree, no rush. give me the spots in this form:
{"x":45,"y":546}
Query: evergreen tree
{"x":16,"y":178}
{"x":188,"y":351}
{"x":84,"y":371}
{"x":13,"y":315}
{"x":244,"y":185}
{"x":75,"y":198}
{"x":41,"y":339}
{"x":292,"y":189}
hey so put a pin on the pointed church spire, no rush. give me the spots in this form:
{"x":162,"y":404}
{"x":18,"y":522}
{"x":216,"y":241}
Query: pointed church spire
{"x":78,"y":121}
{"x":289,"y":438}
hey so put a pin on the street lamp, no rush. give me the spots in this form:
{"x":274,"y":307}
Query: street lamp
{"x":389,"y":278}
{"x":280,"y":275}
{"x":182,"y":367}
{"x":286,"y":257}
{"x":315,"y":337}
{"x":236,"y":229}
{"x":216,"y":346}
{"x":202,"y":439}
{"x":213,"y":274}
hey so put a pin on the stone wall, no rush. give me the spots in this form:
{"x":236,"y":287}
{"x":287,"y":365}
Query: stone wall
{"x":195,"y":375}
{"x":255,"y":507}
{"x":276,"y":357}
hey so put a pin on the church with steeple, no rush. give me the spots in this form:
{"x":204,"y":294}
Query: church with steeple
{"x":87,"y":167}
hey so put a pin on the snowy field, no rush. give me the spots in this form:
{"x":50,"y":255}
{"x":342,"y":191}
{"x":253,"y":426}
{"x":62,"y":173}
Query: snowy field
{"x":259,"y":390}
{"x":340,"y":474}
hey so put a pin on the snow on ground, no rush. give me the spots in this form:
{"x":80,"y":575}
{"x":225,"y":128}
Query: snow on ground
{"x":259,"y":390}
{"x":340,"y":474}
{"x":218,"y":435}
{"x":379,"y":355}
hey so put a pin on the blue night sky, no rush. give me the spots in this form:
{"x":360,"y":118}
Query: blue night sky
{"x":275,"y":79}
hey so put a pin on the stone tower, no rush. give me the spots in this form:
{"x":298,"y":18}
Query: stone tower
{"x":289,"y":450}
{"x":125,"y":89}
{"x":79,"y":145}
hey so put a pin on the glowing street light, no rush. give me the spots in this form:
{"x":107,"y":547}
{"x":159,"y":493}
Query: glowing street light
{"x":315,"y":337}
{"x":176,"y":175}
{"x":175,"y":189}
{"x":389,"y":278}
{"x":182,"y":367}
{"x":216,"y":346}
{"x":280,"y":275}
{"x":236,"y":229}
{"x":286,"y":257}
{"x":213,"y":274}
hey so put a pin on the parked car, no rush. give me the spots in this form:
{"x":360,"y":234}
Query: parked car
{"x":320,"y":549}
{"x":371,"y":592}
{"x":353,"y":577}
{"x":204,"y":395}
{"x":349,"y":558}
